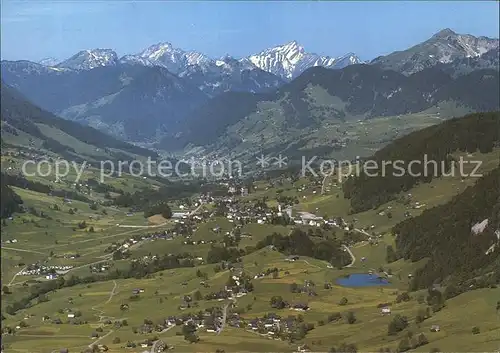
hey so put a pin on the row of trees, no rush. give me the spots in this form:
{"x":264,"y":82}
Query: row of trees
{"x":479,"y":131}
{"x":136,"y":269}
{"x":10,"y":202}
{"x":151,"y":200}
{"x":21,"y":182}
{"x":443,"y":233}
{"x":299,"y":243}
{"x":159,"y":208}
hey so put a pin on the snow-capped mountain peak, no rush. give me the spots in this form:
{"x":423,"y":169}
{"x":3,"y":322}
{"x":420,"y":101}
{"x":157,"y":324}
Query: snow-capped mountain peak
{"x":156,"y":51}
{"x":90,"y":59}
{"x":166,"y":55}
{"x":290,"y":48}
{"x":290,"y":60}
{"x":48,"y":62}
{"x":136,"y":60}
{"x":347,"y":59}
{"x":286,"y":61}
{"x":444,"y":47}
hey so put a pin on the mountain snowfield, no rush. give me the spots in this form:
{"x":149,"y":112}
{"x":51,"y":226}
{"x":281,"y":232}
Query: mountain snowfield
{"x":151,"y":94}
{"x":173,"y":59}
{"x":444,"y":47}
{"x":90,"y":59}
{"x":290,"y":60}
{"x":49,"y":61}
{"x":285,"y":61}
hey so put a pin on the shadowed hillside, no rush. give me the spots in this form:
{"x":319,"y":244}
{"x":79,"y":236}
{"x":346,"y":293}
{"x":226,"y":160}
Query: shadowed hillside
{"x":479,"y":131}
{"x":19,"y":116}
{"x":444,"y":234}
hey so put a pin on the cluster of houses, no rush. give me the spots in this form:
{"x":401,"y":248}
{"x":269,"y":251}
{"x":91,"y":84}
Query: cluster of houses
{"x":183,"y":227}
{"x":137,"y":291}
{"x":160,"y":346}
{"x":209,"y":320}
{"x":235,"y":190}
{"x":72,"y":317}
{"x":272,"y":325}
{"x":50,"y":271}
{"x":229,"y":292}
{"x":307,"y":288}
{"x":32,"y":155}
{"x":305,"y":218}
{"x":245,"y":212}
{"x":101,"y":267}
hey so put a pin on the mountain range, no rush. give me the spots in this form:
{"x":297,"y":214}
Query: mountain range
{"x":285,"y":61}
{"x":181,"y":98}
{"x":334,"y":108}
{"x":444,"y":47}
{"x":289,"y":60}
{"x":132,"y":102}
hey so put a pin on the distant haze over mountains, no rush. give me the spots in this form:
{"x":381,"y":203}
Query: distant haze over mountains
{"x":168,"y":94}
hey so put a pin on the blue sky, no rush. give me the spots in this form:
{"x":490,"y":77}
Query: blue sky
{"x":36,"y":29}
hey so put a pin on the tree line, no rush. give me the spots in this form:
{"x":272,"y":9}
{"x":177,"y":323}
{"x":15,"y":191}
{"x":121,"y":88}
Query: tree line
{"x":474,"y":132}
{"x":299,"y":243}
{"x":135,"y":270}
{"x":444,"y":235}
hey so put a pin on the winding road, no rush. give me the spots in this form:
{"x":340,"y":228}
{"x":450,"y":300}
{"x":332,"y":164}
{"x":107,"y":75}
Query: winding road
{"x":196,"y":209}
{"x":100,"y":315}
{"x":150,"y":226}
{"x":155,"y":343}
{"x":24,"y":250}
{"x":17,"y":274}
{"x":310,"y":264}
{"x":323,"y":185}
{"x":352,"y":256}
{"x":113,"y":292}
{"x":224,"y":316}
{"x":100,"y":338}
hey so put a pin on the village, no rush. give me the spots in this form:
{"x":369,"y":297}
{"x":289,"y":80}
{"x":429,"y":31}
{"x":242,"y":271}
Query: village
{"x":234,"y":208}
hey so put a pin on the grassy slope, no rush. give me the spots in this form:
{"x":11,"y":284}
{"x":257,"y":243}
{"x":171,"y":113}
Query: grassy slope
{"x":369,"y":333}
{"x":268,"y":129}
{"x":437,"y":192}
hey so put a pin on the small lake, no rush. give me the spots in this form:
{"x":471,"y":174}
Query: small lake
{"x":361,"y":280}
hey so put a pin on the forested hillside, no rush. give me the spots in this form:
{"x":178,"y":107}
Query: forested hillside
{"x":444,"y":235}
{"x":323,"y":102}
{"x":209,"y":121}
{"x":474,"y":132}
{"x":17,"y":114}
{"x":10,"y":201}
{"x":369,"y":90}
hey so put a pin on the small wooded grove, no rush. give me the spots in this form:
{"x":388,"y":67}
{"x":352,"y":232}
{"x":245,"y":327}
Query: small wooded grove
{"x":136,"y":270}
{"x":299,"y":243}
{"x":471,"y":133}
{"x":443,"y":234}
{"x":10,"y":201}
{"x":21,"y":182}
